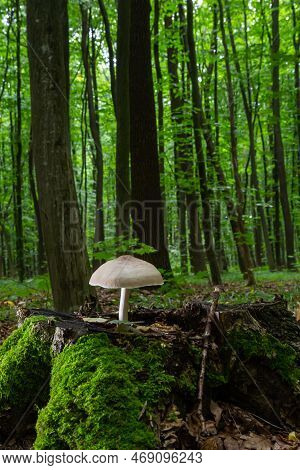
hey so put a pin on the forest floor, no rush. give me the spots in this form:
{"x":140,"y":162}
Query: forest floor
{"x":240,"y":429}
{"x":36,"y":292}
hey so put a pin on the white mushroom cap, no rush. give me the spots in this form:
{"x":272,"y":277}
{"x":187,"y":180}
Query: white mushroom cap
{"x":126,"y":272}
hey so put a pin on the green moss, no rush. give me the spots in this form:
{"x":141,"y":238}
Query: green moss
{"x":25,"y":362}
{"x":281,"y":357}
{"x":215,"y":378}
{"x":97,"y":393}
{"x":187,"y":381}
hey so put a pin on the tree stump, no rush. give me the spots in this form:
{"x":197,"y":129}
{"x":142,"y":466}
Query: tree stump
{"x":252,"y":365}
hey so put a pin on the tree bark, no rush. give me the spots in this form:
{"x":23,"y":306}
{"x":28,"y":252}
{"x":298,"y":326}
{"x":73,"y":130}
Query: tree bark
{"x":218,"y":207}
{"x":18,"y":177}
{"x":237,"y":225}
{"x":160,"y":103}
{"x":179,"y":136}
{"x":232,"y":120}
{"x":250,"y":115}
{"x":47,"y":30}
{"x":278,"y":144}
{"x":296,"y":42}
{"x":110,"y":51}
{"x":123,"y":120}
{"x":195,"y":246}
{"x":94,"y":126}
{"x":148,"y":207}
{"x":41,"y":257}
{"x":204,"y":189}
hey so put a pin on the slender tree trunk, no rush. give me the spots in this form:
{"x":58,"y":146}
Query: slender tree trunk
{"x":267,"y":185}
{"x":276,"y":205}
{"x":296,"y":41}
{"x":94,"y":126}
{"x":148,"y":207}
{"x":178,"y":137}
{"x":123,"y":120}
{"x":233,"y":127}
{"x":2,"y":256}
{"x":18,"y":156}
{"x":278,"y":144}
{"x":41,"y":257}
{"x":204,"y":189}
{"x":160,"y":103}
{"x":110,"y":51}
{"x":83,"y":173}
{"x":47,"y":32}
{"x":237,"y":225}
{"x":248,"y":107}
{"x":195,"y":246}
{"x":215,"y":73}
{"x":258,"y":246}
{"x":9,"y":265}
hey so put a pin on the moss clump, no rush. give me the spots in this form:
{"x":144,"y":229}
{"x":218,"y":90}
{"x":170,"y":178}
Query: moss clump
{"x":97,"y":393}
{"x":215,"y":378}
{"x":187,"y":382}
{"x":25,"y":362}
{"x":281,"y":357}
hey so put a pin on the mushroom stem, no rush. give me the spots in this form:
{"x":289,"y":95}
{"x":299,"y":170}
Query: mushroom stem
{"x":123,"y":308}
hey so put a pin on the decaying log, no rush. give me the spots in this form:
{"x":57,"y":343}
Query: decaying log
{"x":251,"y":383}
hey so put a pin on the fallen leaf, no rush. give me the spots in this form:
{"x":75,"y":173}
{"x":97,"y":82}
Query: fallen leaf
{"x":212,"y":443}
{"x":292,"y":437}
{"x":256,"y":442}
{"x":217,"y":411}
{"x":9,"y":303}
{"x":231,"y":444}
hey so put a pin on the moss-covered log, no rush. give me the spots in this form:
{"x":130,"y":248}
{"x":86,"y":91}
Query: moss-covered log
{"x":125,"y":388}
{"x":25,"y":367}
{"x":98,"y":392}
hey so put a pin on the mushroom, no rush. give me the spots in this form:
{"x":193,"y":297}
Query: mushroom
{"x":125,"y":273}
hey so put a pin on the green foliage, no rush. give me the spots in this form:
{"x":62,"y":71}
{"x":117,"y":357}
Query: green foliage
{"x":25,"y":363}
{"x":36,"y":290}
{"x":280,"y":357}
{"x":10,"y":289}
{"x":187,"y":382}
{"x":112,"y":247}
{"x":286,"y":283}
{"x":255,"y":57}
{"x":97,"y":393}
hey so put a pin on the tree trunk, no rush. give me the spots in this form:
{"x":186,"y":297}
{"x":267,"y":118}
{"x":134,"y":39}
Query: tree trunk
{"x":160,"y":103}
{"x":18,"y":184}
{"x":296,"y":41}
{"x":48,"y":52}
{"x":41,"y":257}
{"x":248,"y":107}
{"x":278,"y":144}
{"x":123,"y":121}
{"x":195,"y":246}
{"x":217,"y":203}
{"x":179,"y":136}
{"x":147,"y":204}
{"x":276,"y":223}
{"x":94,"y":126}
{"x":237,"y":226}
{"x":232,"y":120}
{"x":110,"y":51}
{"x":204,"y":189}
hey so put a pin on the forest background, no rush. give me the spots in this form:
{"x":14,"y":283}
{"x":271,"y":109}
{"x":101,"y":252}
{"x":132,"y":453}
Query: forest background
{"x":135,"y":124}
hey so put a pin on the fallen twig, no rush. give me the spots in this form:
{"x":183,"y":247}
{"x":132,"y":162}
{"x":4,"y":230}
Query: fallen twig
{"x":206,"y":337}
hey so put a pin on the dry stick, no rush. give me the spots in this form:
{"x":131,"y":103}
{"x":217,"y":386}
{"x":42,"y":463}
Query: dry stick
{"x":206,"y":336}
